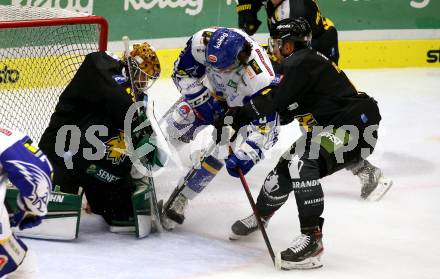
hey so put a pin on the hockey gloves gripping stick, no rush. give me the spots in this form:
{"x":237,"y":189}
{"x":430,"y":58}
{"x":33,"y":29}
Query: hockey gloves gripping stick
{"x":245,"y":158}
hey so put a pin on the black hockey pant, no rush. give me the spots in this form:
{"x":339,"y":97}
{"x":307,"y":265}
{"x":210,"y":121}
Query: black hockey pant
{"x":316,"y":155}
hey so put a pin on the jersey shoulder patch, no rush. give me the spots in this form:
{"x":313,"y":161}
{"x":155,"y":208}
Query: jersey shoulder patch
{"x":120,"y":79}
{"x":254,"y":65}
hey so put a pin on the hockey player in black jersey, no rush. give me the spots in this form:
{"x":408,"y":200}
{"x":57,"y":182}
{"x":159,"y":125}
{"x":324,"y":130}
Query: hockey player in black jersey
{"x":340,"y":131}
{"x":325,"y":36}
{"x":86,"y":141}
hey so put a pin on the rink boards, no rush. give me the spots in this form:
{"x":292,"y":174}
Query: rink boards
{"x":360,"y":54}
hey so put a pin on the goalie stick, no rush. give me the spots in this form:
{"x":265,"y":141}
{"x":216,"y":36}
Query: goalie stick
{"x":142,"y":115}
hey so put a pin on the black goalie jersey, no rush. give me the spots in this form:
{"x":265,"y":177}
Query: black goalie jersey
{"x":98,"y":96}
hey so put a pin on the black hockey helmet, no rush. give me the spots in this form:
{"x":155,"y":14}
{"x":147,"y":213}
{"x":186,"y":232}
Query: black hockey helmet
{"x":297,"y":30}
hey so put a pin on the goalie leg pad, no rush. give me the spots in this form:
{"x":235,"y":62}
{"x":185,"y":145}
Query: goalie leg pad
{"x":202,"y":177}
{"x":142,"y":210}
{"x":61,"y":221}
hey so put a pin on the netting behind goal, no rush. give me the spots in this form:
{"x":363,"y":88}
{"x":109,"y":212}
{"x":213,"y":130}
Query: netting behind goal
{"x":40,"y":52}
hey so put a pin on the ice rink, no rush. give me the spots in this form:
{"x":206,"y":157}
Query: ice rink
{"x":397,"y":237}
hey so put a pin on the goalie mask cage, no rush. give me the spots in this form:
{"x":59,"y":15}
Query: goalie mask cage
{"x":40,"y":52}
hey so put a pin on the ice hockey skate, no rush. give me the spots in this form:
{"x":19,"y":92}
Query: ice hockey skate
{"x":175,"y":213}
{"x":245,"y":227}
{"x":374,"y":184}
{"x":304,"y":252}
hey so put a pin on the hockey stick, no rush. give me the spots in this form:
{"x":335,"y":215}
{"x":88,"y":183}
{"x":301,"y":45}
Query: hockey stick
{"x":189,"y":175}
{"x":155,"y":212}
{"x":195,"y":169}
{"x":257,"y":215}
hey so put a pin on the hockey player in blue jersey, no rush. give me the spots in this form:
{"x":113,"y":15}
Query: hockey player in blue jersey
{"x":28,"y":169}
{"x":218,"y":70}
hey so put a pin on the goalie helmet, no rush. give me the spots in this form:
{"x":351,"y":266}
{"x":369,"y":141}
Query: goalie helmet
{"x":146,"y":68}
{"x":223,"y":48}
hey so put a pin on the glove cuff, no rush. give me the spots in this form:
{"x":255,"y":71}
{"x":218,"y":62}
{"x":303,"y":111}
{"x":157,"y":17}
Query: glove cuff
{"x":250,"y":151}
{"x":199,"y":98}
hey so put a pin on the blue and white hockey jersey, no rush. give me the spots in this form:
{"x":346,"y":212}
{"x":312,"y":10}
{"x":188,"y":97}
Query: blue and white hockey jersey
{"x":192,"y":75}
{"x":27,"y":168}
{"x":192,"y":72}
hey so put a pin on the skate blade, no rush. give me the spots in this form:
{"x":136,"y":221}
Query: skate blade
{"x":233,"y":236}
{"x":382,"y":188}
{"x":309,"y":263}
{"x":168,"y":224}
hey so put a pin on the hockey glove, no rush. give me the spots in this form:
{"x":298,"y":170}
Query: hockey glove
{"x":205,"y":107}
{"x":24,"y":218}
{"x":245,"y":158}
{"x":247,"y":16}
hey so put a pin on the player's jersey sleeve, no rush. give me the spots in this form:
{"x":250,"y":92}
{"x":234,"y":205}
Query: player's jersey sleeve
{"x":264,"y":132}
{"x":258,"y":74}
{"x":190,"y":67}
{"x":27,"y":168}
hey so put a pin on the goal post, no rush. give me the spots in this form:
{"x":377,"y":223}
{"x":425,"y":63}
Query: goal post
{"x":40,"y":51}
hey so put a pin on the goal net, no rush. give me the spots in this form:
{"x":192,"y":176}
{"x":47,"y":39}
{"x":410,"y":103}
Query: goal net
{"x":40,"y":52}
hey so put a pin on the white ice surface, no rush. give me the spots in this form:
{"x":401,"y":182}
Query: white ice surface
{"x":397,"y":237}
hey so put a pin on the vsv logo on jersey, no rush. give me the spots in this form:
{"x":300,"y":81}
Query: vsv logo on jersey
{"x":9,"y":75}
{"x":37,"y":185}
